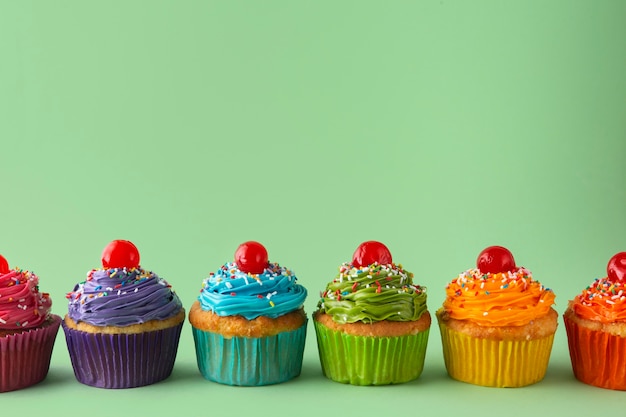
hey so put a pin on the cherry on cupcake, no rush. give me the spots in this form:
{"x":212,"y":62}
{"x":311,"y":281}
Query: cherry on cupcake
{"x":616,"y":268}
{"x":369,"y":252}
{"x":120,"y":254}
{"x":4,"y":265}
{"x":495,"y":259}
{"x":251,"y":257}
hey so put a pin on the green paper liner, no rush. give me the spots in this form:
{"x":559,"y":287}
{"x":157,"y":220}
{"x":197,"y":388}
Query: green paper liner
{"x":598,"y":358}
{"x":248,"y":361}
{"x":495,"y":363}
{"x":367,"y":360}
{"x":25,"y":357}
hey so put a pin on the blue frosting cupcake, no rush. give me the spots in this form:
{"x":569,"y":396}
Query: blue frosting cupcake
{"x":249,"y":324}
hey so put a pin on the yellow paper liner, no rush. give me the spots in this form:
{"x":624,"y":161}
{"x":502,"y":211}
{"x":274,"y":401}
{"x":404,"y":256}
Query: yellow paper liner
{"x":598,"y":358}
{"x":495,"y":363}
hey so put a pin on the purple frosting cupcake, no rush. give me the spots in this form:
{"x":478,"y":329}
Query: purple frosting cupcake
{"x":123,"y":323}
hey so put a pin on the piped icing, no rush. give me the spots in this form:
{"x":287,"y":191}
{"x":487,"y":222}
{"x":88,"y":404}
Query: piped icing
{"x":22,"y":306}
{"x":122,"y":297}
{"x":604,"y":301}
{"x":373,"y":293}
{"x":511,"y":298}
{"x":272,"y":293}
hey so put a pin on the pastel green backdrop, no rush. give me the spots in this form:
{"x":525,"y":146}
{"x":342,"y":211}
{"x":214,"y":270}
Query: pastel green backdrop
{"x":437,"y":127}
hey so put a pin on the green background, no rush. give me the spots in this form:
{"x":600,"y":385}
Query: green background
{"x":437,"y":127}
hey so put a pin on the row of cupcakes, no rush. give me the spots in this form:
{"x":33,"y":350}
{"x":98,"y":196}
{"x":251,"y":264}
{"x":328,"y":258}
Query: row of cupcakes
{"x":372,"y":324}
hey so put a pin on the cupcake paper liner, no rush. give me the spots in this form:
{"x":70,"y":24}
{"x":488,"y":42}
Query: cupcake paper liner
{"x":250,"y":361}
{"x":122,"y":360}
{"x":495,"y":363}
{"x":25,"y":357}
{"x":367,"y":360}
{"x":598,"y":358}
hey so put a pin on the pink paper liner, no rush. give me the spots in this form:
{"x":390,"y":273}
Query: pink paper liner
{"x":598,"y":358}
{"x":122,"y":360}
{"x":25,"y":357}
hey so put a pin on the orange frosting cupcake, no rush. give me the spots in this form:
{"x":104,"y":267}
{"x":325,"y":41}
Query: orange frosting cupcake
{"x":502,"y":299}
{"x":595,"y":321}
{"x":497,"y":323}
{"x":603,"y":301}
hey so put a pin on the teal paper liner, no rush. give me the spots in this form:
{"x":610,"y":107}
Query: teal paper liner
{"x":250,"y":361}
{"x":367,"y":360}
{"x":25,"y":357}
{"x":122,"y":360}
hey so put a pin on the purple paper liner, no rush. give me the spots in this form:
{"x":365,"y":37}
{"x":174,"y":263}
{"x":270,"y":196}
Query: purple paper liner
{"x":25,"y":357}
{"x":250,"y":361}
{"x":122,"y":360}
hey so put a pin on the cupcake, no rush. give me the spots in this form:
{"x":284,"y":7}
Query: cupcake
{"x":372,"y":321}
{"x":123,"y":323}
{"x":248,"y":324}
{"x":27,"y":329}
{"x":595,"y":321}
{"x":497,"y":323}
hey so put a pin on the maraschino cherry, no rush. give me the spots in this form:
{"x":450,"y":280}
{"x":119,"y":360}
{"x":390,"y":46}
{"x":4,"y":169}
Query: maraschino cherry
{"x":251,"y":257}
{"x":495,"y":259}
{"x":4,"y":265}
{"x":616,"y":268}
{"x":120,"y":254}
{"x":369,"y":252}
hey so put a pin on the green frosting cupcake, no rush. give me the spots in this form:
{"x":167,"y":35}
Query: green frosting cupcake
{"x":373,"y":293}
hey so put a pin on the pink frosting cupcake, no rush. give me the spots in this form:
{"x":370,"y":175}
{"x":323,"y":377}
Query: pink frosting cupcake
{"x":27,"y":329}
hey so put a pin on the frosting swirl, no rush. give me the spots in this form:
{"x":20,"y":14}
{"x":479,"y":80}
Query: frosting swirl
{"x":121,"y":297}
{"x":22,"y":306}
{"x":230,"y":291}
{"x":502,"y":299}
{"x":603,"y":301}
{"x":373,"y":293}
